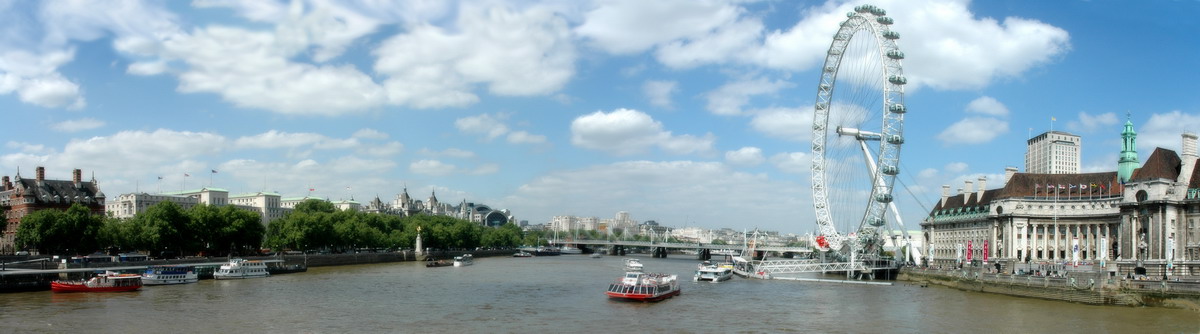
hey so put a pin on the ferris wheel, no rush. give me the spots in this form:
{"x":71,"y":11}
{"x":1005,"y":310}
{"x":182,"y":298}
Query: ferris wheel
{"x":858,"y":128}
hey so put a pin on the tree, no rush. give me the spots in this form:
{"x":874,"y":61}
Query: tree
{"x":164,"y":227}
{"x":53,"y":231}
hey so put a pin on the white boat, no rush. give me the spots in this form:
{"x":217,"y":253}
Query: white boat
{"x":164,"y":275}
{"x":713,"y":272}
{"x":569,"y":250}
{"x":464,"y":260}
{"x":637,"y":285}
{"x":240,"y":268}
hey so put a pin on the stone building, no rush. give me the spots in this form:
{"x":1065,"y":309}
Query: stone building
{"x":21,"y":196}
{"x":1146,"y":225}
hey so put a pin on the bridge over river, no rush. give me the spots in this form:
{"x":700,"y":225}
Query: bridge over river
{"x":659,"y":248}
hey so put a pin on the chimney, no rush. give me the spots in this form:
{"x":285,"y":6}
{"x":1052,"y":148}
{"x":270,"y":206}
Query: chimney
{"x":1008,"y":173}
{"x":77,"y":177}
{"x":1189,"y":146}
{"x":4,"y":184}
{"x":982,"y":186}
{"x":968,"y":188}
{"x":945,"y":193}
{"x":41,"y":173}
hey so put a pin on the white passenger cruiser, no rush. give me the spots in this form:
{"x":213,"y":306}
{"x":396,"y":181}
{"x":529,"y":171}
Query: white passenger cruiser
{"x":464,"y":260}
{"x":163,"y":275}
{"x":240,"y":268}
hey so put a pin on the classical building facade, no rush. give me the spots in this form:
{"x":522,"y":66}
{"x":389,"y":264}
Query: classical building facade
{"x":1146,"y":225}
{"x":268,"y":205}
{"x":1053,"y":152}
{"x":21,"y":196}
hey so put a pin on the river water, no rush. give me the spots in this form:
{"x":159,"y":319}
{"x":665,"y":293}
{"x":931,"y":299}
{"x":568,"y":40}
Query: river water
{"x":557,"y":294}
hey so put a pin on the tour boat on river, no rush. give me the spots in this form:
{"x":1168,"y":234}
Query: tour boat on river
{"x":713,"y":272}
{"x":107,"y":282}
{"x":239,"y":268}
{"x":464,"y":260}
{"x":163,"y":275}
{"x":637,"y":285}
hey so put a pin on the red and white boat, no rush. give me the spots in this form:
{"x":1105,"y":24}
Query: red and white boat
{"x":641,"y":286}
{"x":109,"y":282}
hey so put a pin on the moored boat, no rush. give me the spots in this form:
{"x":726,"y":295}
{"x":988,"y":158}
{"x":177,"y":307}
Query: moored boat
{"x":637,"y":285}
{"x":522,"y":254}
{"x":240,"y":268}
{"x":108,"y":282}
{"x":464,"y":260}
{"x":431,"y":263}
{"x":713,"y":272}
{"x":163,"y":275}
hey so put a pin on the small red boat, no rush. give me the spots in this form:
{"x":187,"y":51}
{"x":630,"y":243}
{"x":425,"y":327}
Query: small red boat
{"x":100,"y":283}
{"x":640,"y":286}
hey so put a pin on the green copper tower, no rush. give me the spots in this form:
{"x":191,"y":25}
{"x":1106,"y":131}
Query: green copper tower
{"x":1129,"y":160}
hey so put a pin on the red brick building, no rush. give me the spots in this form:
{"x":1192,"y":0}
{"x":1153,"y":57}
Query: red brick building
{"x":20,"y":196}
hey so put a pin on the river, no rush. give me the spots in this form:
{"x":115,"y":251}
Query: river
{"x":557,"y":294}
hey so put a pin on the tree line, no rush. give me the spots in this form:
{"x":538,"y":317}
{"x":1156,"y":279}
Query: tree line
{"x":165,"y":229}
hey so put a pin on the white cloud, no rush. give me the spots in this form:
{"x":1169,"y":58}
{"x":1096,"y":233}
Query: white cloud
{"x":956,"y":167}
{"x":278,"y":139}
{"x":250,"y":69}
{"x":659,"y":92}
{"x":793,"y":162}
{"x":627,"y":131}
{"x":387,"y":149}
{"x":492,"y":126}
{"x":522,"y":137}
{"x":28,"y":148}
{"x":746,"y":156}
{"x":487,"y":125}
{"x":51,"y":91}
{"x":486,"y":169}
{"x":988,"y":106}
{"x":1090,"y":123}
{"x":947,"y":46}
{"x":515,"y":53}
{"x":367,"y":133}
{"x":432,"y":167}
{"x":973,"y":130}
{"x":783,"y":123}
{"x":728,"y":44}
{"x":76,"y":125}
{"x":1164,"y":130}
{"x":730,"y":97}
{"x":632,"y":26}
{"x":151,"y":150}
{"x":450,"y":152}
{"x":40,"y":35}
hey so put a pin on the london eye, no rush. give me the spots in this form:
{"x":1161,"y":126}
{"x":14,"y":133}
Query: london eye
{"x":858,"y":128}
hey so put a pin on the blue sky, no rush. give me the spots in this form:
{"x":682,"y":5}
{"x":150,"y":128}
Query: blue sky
{"x":691,"y":113}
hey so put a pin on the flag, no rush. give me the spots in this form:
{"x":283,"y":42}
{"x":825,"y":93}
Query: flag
{"x":347,"y":188}
{"x":160,"y":177}
{"x":1061,"y":187}
{"x":1083,"y":187}
{"x":1053,"y":119}
{"x":1074,"y":186}
{"x":311,"y":189}
{"x":214,"y":171}
{"x":186,"y":175}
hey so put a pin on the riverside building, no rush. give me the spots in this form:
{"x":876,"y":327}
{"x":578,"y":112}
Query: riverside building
{"x":1145,"y":225}
{"x":1053,"y":152}
{"x":21,"y":196}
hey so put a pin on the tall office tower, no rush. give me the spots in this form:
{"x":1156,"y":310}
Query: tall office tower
{"x":1053,"y":152}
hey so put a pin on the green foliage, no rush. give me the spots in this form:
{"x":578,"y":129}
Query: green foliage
{"x":74,"y":231}
{"x":719,"y":242}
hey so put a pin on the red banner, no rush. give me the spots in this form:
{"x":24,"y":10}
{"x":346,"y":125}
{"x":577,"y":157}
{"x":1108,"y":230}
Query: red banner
{"x":968,"y":250}
{"x":985,"y":251}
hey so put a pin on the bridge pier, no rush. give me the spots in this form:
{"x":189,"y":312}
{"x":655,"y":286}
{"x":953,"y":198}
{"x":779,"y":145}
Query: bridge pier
{"x":759,"y":254}
{"x":617,"y":250}
{"x":660,"y":252}
{"x":704,"y":254}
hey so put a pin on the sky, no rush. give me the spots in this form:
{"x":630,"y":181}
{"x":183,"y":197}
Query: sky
{"x":689,"y":113}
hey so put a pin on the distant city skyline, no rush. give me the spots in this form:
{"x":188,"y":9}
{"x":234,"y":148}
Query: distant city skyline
{"x":683,"y":112}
